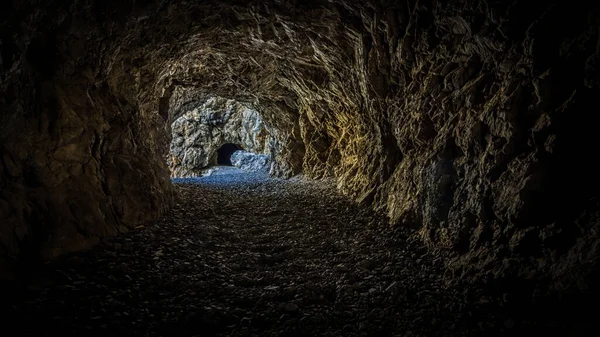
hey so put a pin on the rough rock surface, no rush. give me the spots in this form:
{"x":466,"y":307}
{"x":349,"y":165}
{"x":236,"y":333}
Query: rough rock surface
{"x":251,"y":162}
{"x":471,"y":120}
{"x":221,"y":170}
{"x":244,"y":255}
{"x":198,"y":134}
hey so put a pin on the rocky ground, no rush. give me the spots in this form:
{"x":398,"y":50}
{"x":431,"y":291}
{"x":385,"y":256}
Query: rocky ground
{"x":247,"y":255}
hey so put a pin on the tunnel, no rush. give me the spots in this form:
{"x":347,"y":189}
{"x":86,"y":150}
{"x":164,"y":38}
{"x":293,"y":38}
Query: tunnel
{"x":224,"y":153}
{"x":431,"y":169}
{"x":210,"y":129}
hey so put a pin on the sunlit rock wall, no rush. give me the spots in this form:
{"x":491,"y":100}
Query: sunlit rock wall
{"x":199,"y":133}
{"x":251,"y":162}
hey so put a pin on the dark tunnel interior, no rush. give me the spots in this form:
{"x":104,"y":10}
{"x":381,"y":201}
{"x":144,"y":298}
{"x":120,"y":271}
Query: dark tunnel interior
{"x":410,"y":168}
{"x":224,"y":153}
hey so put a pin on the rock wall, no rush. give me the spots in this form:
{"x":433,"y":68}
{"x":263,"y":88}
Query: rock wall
{"x":199,"y":133}
{"x":78,"y":158}
{"x":470,"y":121}
{"x":251,"y":162}
{"x":69,"y":177}
{"x":485,"y":133}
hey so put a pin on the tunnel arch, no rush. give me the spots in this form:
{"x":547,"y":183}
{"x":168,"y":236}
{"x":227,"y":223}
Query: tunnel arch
{"x":204,"y":125}
{"x":224,"y":153}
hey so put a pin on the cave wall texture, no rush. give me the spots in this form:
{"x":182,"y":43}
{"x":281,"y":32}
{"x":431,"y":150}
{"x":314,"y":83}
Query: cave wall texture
{"x":471,"y":121}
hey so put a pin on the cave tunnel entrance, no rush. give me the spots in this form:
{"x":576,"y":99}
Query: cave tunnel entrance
{"x":224,"y":153}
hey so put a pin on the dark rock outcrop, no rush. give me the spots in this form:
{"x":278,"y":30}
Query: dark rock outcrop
{"x":470,"y":121}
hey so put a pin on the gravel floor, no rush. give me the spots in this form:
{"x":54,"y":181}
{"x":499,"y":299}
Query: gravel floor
{"x":247,"y":255}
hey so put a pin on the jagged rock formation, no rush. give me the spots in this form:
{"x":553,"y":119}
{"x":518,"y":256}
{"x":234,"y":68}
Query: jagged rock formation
{"x":469,"y":121}
{"x":251,"y":162}
{"x":199,"y":133}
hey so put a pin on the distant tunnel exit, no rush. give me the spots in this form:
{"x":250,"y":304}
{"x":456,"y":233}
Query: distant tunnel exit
{"x":224,"y":153}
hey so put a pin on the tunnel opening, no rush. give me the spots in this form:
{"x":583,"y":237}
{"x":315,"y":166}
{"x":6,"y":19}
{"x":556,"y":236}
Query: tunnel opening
{"x":224,"y":153}
{"x":214,"y":134}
